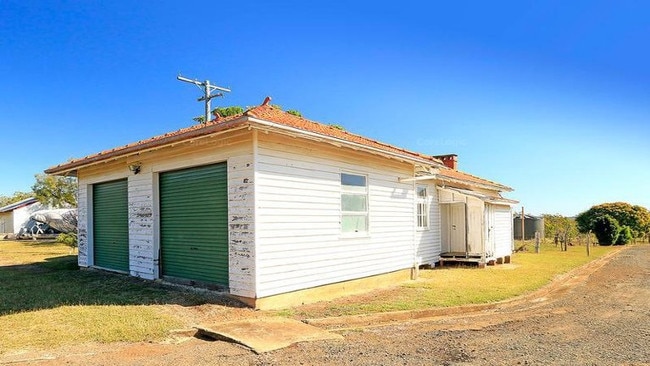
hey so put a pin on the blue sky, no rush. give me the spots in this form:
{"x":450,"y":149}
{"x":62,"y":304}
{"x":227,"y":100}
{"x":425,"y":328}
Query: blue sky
{"x":549,"y":97}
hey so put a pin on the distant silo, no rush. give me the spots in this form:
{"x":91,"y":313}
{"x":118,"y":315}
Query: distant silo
{"x":531,"y":225}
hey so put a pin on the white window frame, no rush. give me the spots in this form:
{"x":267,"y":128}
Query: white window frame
{"x":423,"y":208}
{"x":359,"y":191}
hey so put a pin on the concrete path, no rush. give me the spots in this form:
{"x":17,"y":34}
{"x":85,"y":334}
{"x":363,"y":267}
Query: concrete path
{"x":266,"y":334}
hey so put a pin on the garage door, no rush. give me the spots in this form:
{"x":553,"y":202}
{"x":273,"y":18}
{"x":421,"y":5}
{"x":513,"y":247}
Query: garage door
{"x":111,"y":225}
{"x":194,"y":224}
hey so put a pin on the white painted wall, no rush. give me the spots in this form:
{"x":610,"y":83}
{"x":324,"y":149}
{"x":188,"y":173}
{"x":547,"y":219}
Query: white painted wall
{"x":142,"y":253}
{"x":241,"y":221}
{"x":299,"y":242}
{"x":143,"y":214}
{"x":6,"y":222}
{"x":502,"y":230}
{"x":21,"y":215}
{"x":83,"y":220}
{"x":429,"y":241}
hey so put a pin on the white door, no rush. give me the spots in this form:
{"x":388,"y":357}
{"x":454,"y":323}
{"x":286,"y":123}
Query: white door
{"x":474,"y":226}
{"x":457,"y":228}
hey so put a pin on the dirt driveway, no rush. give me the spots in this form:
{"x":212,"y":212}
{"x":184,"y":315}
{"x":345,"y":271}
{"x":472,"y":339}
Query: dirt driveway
{"x":597,"y":317}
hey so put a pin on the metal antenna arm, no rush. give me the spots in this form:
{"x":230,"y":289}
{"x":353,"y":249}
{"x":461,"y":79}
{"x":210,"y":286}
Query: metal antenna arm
{"x":207,"y":90}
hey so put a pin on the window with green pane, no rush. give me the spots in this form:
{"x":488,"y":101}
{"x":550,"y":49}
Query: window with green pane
{"x":354,"y":203}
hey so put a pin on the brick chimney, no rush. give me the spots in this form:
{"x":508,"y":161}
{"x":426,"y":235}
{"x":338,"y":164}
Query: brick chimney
{"x":450,"y":160}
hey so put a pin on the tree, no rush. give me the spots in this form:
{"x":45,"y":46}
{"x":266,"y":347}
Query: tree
{"x":555,"y":224}
{"x":637,"y":218}
{"x":56,"y":191}
{"x":624,"y":236}
{"x":606,"y":229}
{"x":17,"y":196}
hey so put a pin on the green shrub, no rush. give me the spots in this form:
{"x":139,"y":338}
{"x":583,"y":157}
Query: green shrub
{"x":69,"y":239}
{"x":624,"y":236}
{"x":606,"y":229}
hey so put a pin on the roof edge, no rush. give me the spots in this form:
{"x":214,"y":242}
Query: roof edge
{"x":359,"y":146}
{"x":494,"y":187}
{"x":136,"y":148}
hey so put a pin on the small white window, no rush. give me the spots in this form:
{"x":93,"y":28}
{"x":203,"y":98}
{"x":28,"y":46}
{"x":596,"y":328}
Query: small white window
{"x":422,"y":200}
{"x":354,"y":203}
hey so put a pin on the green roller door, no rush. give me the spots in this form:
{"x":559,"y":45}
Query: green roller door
{"x":111,"y":225}
{"x":194,"y":224}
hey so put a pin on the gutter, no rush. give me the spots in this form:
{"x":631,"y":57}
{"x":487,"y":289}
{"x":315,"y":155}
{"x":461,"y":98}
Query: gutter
{"x":96,"y":159}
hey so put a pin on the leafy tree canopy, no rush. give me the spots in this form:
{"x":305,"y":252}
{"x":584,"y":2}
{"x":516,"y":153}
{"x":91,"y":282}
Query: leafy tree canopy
{"x":17,"y":196}
{"x":606,"y":229}
{"x":637,"y":218}
{"x":556,"y":224}
{"x":56,"y":191}
{"x":624,"y":236}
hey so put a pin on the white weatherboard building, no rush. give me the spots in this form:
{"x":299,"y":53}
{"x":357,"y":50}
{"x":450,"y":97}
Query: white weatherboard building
{"x":278,"y":210}
{"x":14,"y":216}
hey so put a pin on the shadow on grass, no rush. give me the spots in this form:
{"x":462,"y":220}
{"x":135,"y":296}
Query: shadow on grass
{"x":58,"y":281}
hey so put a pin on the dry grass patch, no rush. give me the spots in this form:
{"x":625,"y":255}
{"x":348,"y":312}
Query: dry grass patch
{"x":46,"y":301}
{"x":66,"y":325}
{"x":453,"y":286}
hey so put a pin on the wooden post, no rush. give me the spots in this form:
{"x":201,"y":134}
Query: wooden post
{"x":588,"y":243}
{"x":537,"y":237}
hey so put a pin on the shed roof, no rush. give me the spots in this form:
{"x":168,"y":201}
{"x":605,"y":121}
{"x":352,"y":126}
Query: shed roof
{"x":19,"y":204}
{"x":270,"y":116}
{"x":252,"y":116}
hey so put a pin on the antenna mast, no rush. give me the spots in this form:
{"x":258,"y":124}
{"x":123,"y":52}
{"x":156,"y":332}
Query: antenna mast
{"x":207,"y":92}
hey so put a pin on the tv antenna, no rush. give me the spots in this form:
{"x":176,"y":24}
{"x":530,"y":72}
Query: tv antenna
{"x":207,"y":89}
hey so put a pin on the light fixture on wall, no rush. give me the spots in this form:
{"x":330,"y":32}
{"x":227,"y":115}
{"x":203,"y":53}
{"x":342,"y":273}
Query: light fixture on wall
{"x":135,"y":167}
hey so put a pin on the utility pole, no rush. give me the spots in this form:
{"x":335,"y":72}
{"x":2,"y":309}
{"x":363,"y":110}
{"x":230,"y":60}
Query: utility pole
{"x":207,"y":93}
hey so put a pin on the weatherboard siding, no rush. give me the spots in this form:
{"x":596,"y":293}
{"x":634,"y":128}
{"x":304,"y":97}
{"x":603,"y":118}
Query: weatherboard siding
{"x":428,"y":241}
{"x":502,"y":230}
{"x":143,"y":214}
{"x":142,"y":253}
{"x":299,"y":242}
{"x":82,"y":224}
{"x":241,"y":223}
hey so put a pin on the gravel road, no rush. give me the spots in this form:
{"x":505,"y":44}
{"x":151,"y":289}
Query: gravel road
{"x":601,"y":319}
{"x":598,"y":317}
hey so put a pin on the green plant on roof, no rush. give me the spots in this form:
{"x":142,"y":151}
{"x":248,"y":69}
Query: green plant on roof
{"x":228,"y":111}
{"x":337,"y":126}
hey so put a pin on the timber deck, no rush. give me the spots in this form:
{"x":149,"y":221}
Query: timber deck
{"x":470,"y":258}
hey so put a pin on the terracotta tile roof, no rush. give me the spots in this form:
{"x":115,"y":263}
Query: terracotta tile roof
{"x":265,"y":113}
{"x":272,"y":114}
{"x":183,"y":134}
{"x":465,"y":177}
{"x":262,"y":112}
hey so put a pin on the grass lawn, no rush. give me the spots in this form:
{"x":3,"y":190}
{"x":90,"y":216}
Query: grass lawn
{"x":453,"y":286}
{"x":46,"y":301}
